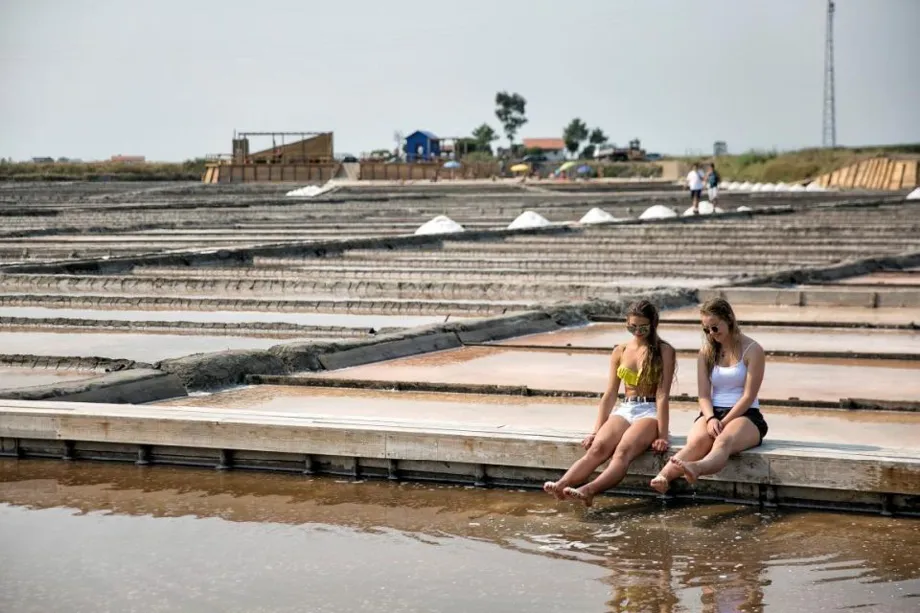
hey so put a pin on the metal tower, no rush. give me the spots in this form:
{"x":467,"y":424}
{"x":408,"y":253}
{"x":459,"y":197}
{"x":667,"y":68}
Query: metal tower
{"x":830,"y":120}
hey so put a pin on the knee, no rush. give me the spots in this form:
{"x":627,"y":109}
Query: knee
{"x":599,"y":451}
{"x":626,"y":452}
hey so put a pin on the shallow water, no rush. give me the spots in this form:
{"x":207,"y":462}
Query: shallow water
{"x":140,"y":347}
{"x":27,"y":377}
{"x":753,"y":313}
{"x":306,"y":319}
{"x":771,"y":338}
{"x":80,"y":537}
{"x":785,"y":378}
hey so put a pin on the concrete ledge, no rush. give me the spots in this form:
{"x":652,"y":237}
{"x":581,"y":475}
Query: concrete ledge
{"x":842,"y":296}
{"x":18,"y":360}
{"x":203,"y":371}
{"x":127,"y":386}
{"x":754,"y":295}
{"x":380,"y":288}
{"x":250,"y":328}
{"x":886,"y":480}
{"x":385,"y":306}
{"x":834,"y":272}
{"x":389,"y":349}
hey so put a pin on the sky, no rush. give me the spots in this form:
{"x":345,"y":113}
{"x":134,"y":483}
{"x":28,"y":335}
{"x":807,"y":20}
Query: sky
{"x":172,"y":79}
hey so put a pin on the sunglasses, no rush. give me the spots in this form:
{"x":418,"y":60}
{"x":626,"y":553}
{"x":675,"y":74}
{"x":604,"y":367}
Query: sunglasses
{"x":711,"y":329}
{"x":643,"y":329}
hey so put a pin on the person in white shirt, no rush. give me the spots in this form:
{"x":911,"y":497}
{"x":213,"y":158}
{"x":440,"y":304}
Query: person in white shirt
{"x":695,"y":183}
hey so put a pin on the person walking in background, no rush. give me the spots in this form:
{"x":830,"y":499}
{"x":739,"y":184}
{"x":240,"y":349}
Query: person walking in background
{"x":712,"y":182}
{"x":645,"y":365}
{"x":695,"y":184}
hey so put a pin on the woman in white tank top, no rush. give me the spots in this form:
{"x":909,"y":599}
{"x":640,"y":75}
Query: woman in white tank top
{"x":730,"y":371}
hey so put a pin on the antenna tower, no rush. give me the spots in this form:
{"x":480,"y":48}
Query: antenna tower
{"x":830,"y":120}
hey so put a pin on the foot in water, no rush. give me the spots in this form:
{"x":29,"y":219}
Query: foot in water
{"x":585,"y":497}
{"x":688,"y":469}
{"x":659,"y":484}
{"x":552,"y":487}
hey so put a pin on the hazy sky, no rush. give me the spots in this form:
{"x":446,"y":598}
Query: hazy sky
{"x":172,"y":79}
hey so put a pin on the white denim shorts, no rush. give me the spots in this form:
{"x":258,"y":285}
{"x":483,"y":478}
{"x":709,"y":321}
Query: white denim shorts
{"x":631,"y":411}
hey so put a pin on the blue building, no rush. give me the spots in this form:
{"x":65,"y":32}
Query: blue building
{"x":422,"y":146}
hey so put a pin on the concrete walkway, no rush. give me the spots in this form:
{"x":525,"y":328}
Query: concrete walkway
{"x":872,"y":463}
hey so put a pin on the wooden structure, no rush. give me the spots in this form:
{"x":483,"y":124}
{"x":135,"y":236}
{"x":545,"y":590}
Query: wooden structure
{"x":881,"y":173}
{"x":307,"y":159}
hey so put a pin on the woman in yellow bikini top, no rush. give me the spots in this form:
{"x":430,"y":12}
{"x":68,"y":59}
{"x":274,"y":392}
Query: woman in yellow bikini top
{"x":646,"y":366}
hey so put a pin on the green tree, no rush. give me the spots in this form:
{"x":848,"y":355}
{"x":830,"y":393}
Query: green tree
{"x":483,"y":137}
{"x":596,"y":139}
{"x":510,"y":109}
{"x":574,"y":134}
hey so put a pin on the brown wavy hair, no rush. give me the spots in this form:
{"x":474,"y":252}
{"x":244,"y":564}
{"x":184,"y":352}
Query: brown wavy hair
{"x":653,"y":364}
{"x":718,"y":307}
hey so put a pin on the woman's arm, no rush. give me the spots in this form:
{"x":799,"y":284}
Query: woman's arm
{"x":610,"y":394}
{"x":756,"y":362}
{"x":704,"y":392}
{"x":608,"y":399}
{"x":663,"y":397}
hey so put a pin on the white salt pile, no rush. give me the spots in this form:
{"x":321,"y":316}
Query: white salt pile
{"x":768,"y":187}
{"x":745,"y":187}
{"x":743,"y":208}
{"x":797,"y":188}
{"x":439,"y":225}
{"x":814,"y":187}
{"x":914,"y":195}
{"x":757,"y":187}
{"x":597,"y":215}
{"x":309,"y":191}
{"x":730,"y":186}
{"x":781,"y":187}
{"x":528,"y":219}
{"x":706,"y":208}
{"x":659,"y":211}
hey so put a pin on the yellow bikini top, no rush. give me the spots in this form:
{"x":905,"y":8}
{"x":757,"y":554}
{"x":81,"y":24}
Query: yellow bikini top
{"x":629,"y":376}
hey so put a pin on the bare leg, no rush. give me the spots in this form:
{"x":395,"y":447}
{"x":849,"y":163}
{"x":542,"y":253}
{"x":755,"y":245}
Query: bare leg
{"x":604,"y":444}
{"x":698,"y":445}
{"x":633,"y":443}
{"x":738,"y":435}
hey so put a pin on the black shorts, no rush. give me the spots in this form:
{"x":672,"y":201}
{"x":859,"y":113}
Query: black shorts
{"x":752,"y":413}
{"x":696,"y":193}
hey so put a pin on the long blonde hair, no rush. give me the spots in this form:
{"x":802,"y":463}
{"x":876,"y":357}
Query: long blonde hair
{"x":718,"y":307}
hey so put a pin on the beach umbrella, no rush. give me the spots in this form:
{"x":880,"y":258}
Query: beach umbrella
{"x":452,"y":164}
{"x":566,"y":166}
{"x":583,"y":169}
{"x":520,"y":168}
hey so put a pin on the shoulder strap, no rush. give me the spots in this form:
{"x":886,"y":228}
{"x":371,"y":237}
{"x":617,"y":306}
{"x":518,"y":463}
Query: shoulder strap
{"x":743,"y":353}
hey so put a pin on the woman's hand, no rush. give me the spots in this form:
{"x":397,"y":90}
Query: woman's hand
{"x":660,"y":445}
{"x":714,"y":427}
{"x":589,"y":440}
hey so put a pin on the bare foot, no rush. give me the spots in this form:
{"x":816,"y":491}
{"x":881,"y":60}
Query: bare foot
{"x":688,"y":469}
{"x":553,"y":487}
{"x":586,"y":498}
{"x":660,"y":484}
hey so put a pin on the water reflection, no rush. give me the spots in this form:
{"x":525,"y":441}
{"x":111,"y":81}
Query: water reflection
{"x":714,"y":558}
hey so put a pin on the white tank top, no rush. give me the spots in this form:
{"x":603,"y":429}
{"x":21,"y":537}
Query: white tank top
{"x":728,"y":383}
